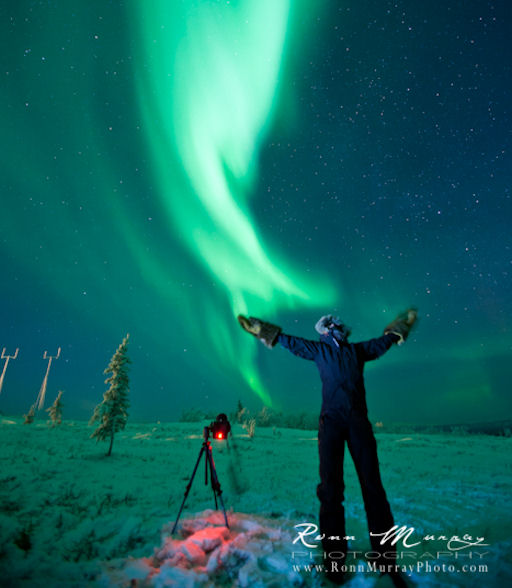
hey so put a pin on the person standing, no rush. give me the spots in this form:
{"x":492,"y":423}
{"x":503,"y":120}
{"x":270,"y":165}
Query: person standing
{"x":343,"y":421}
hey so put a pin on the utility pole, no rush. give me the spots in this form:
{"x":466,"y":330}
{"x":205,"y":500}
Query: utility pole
{"x":7,"y":358}
{"x":42,"y":391}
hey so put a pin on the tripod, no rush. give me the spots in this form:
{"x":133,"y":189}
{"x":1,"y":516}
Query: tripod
{"x":206,"y":448}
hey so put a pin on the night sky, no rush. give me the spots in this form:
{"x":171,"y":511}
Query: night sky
{"x":167,"y":165}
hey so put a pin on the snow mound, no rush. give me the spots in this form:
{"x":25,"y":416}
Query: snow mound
{"x":206,"y":553}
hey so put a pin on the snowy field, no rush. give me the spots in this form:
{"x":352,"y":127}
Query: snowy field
{"x":69,"y":516}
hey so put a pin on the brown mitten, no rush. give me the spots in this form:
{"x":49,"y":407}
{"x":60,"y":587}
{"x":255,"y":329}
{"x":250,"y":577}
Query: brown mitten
{"x":267,"y":333}
{"x":403,"y":324}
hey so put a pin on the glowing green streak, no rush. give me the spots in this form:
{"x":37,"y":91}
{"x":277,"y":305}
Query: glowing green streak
{"x":208,"y":95}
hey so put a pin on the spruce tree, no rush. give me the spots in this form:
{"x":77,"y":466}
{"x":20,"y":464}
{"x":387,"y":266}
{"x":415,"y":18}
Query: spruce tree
{"x":240,"y":412}
{"x":112,"y":412}
{"x":55,"y":411}
{"x":29,"y":417}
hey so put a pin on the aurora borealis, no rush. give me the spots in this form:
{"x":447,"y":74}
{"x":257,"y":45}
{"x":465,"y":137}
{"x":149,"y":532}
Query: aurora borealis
{"x":167,"y":165}
{"x":207,"y":104}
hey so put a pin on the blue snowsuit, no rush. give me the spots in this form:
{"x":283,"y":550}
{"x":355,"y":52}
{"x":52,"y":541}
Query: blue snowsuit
{"x":343,"y":418}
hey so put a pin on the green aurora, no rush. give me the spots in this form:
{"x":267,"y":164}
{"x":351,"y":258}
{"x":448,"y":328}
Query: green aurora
{"x":207,"y":107}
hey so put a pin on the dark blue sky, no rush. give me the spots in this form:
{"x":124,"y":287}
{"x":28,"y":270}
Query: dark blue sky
{"x":386,"y":172}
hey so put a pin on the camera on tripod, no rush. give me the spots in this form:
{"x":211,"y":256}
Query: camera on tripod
{"x":219,"y":428}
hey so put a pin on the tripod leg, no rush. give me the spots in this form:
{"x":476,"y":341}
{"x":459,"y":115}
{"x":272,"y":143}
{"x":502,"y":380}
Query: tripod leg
{"x":206,"y":465}
{"x":189,"y":485}
{"x":208,"y":449}
{"x":215,"y":483}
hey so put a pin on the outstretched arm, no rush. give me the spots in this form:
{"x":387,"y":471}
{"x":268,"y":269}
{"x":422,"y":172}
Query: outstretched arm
{"x":270,"y":334}
{"x":374,"y":348}
{"x":396,"y":332}
{"x":298,"y":346}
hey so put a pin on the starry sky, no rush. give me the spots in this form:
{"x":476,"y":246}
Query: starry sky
{"x":168,"y":165}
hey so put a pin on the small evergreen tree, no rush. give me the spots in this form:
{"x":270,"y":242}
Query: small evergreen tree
{"x":250,"y":426}
{"x":112,"y":412}
{"x":29,"y":417}
{"x":240,"y":410}
{"x":55,"y":411}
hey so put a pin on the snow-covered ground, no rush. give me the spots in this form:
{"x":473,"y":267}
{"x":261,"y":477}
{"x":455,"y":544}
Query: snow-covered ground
{"x":69,"y":516}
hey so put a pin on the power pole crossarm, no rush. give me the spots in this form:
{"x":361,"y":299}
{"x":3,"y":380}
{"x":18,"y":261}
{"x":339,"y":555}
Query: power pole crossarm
{"x":46,"y":356}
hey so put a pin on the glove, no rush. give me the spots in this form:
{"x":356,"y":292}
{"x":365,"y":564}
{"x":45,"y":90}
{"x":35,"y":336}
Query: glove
{"x":403,"y":324}
{"x":267,"y":333}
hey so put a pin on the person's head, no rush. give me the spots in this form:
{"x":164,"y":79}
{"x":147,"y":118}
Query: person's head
{"x":331,"y":325}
